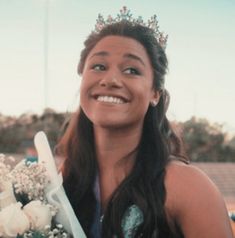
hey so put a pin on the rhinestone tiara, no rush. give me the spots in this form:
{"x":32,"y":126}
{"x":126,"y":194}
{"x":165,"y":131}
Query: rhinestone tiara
{"x":125,"y":15}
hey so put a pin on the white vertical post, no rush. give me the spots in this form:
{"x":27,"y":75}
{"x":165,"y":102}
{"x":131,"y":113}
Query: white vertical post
{"x":46,"y":16}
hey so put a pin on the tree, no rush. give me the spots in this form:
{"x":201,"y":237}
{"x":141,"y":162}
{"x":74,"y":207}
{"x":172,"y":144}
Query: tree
{"x":206,"y":142}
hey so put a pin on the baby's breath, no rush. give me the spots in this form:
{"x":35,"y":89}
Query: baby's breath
{"x":30,"y":179}
{"x":57,"y":232}
{"x":5,"y":168}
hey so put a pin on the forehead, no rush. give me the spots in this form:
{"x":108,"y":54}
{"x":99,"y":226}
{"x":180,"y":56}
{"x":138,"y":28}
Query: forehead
{"x":119,"y":45}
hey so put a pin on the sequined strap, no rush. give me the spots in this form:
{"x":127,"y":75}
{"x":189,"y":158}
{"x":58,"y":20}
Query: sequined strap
{"x":132,"y":219}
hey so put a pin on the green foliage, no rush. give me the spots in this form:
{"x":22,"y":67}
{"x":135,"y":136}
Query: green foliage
{"x":203,"y":141}
{"x":206,"y":142}
{"x":16,"y":134}
{"x":33,"y":234}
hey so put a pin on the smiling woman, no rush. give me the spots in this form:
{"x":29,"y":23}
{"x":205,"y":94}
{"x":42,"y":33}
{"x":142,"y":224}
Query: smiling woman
{"x":118,"y":83}
{"x":125,"y":170}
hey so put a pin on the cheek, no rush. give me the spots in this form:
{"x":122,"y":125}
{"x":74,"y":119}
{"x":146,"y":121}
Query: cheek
{"x":144,"y":99}
{"x":85,"y":84}
{"x":144,"y":93}
{"x":143,"y":106}
{"x":84,"y":94}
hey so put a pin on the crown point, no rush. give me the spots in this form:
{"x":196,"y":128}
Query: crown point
{"x":125,"y":15}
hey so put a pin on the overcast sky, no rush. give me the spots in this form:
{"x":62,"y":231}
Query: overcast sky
{"x":201,"y":53}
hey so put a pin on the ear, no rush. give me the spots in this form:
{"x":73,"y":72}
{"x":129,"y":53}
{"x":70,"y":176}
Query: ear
{"x":155,"y":98}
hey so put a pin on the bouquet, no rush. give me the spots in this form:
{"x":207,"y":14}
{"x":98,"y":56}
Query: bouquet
{"x":33,"y":203}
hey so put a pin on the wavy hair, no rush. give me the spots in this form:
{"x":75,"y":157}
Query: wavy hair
{"x":144,"y":186}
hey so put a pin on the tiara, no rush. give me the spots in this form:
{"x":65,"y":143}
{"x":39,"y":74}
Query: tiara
{"x":125,"y":15}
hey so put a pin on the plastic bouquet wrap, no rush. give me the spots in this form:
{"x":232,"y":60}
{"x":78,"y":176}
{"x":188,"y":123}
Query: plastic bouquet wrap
{"x":33,"y":203}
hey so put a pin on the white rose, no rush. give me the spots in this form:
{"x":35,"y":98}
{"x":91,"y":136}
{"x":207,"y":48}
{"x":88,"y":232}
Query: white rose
{"x":7,"y":196}
{"x":13,"y":221}
{"x":39,"y":214}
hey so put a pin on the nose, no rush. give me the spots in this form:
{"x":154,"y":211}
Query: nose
{"x":111,"y":81}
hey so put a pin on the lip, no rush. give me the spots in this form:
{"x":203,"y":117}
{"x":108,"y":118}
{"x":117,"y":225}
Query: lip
{"x":123,"y":98}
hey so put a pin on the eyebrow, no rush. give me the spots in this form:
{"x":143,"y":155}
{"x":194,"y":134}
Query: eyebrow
{"x":100,"y":53}
{"x":135,"y":57}
{"x":128,"y":56}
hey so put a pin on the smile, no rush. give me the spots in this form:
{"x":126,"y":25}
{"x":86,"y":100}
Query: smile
{"x":110,"y":99}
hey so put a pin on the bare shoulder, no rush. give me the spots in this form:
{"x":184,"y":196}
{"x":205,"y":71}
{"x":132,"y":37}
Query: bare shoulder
{"x":181,"y":176}
{"x":187,"y":183}
{"x":195,"y":203}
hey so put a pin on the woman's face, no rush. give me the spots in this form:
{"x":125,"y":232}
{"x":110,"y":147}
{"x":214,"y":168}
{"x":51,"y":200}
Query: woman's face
{"x":117,"y":83}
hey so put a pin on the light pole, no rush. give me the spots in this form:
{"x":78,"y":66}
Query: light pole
{"x":45,"y":71}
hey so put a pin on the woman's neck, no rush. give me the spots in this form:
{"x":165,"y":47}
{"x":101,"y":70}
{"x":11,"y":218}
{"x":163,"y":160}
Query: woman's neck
{"x":116,"y":153}
{"x":116,"y":148}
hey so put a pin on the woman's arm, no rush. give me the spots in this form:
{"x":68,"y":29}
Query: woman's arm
{"x":195,"y":203}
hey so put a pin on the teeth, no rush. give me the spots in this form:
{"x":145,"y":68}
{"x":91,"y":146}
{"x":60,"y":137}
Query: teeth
{"x":110,"y":99}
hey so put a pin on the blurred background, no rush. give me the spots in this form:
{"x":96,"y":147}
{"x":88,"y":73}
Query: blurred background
{"x":40,"y":44}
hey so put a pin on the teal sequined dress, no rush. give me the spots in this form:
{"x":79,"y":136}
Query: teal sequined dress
{"x":132,"y":218}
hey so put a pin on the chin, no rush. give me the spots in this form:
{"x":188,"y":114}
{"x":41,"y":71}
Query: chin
{"x":114,"y":124}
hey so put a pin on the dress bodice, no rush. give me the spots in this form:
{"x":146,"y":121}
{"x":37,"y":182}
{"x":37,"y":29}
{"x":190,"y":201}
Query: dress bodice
{"x":132,"y":218}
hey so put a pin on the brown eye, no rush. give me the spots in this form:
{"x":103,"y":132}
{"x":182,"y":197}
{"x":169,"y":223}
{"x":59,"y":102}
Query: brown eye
{"x":131,"y":71}
{"x":98,"y":67}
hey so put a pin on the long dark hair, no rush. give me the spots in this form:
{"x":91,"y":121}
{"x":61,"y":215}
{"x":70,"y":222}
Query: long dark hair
{"x":144,"y":186}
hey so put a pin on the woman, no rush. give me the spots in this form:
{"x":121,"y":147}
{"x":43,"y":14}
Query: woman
{"x":125,"y":172}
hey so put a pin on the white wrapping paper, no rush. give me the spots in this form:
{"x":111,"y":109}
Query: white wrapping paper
{"x":55,"y":192}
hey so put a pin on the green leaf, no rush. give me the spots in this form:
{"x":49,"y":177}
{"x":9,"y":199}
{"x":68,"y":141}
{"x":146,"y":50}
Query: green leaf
{"x":37,"y":234}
